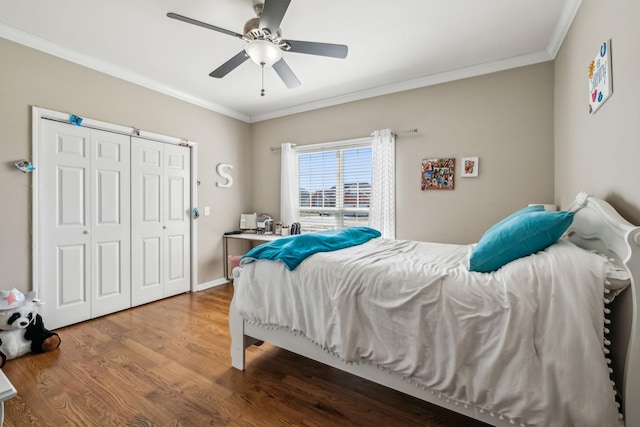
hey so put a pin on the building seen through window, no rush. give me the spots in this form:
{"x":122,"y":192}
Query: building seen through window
{"x":334,"y":188}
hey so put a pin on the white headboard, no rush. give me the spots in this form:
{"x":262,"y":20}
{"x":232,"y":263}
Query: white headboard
{"x":597,"y":226}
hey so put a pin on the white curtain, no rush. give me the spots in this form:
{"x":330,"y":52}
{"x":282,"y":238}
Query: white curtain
{"x":382,"y":209}
{"x":288,"y":185}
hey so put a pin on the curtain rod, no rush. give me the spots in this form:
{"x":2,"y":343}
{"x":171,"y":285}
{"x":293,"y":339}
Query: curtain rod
{"x":400,"y":132}
{"x":406,"y":131}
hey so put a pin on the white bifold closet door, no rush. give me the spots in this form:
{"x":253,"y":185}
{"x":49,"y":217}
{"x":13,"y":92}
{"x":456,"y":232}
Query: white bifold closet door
{"x":160,"y":220}
{"x":84,"y":222}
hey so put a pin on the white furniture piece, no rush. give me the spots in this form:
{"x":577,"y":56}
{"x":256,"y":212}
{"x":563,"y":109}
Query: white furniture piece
{"x":596,"y":226}
{"x":247,"y":237}
{"x":7,"y":391}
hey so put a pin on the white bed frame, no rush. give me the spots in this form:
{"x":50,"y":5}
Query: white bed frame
{"x":596,"y":226}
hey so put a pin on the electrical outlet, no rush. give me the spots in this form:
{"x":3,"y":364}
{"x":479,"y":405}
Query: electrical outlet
{"x":206,"y":211}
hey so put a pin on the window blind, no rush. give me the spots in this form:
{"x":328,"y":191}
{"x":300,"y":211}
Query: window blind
{"x":334,"y":182}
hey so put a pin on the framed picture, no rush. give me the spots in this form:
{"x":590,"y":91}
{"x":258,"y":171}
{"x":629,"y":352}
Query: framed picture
{"x":437,"y":174}
{"x":469,"y":167}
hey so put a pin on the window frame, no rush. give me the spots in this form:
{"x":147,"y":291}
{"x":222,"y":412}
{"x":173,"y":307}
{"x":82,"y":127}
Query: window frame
{"x":339,"y":210}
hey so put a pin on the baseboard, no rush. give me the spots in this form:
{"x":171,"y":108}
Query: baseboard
{"x":211,"y":284}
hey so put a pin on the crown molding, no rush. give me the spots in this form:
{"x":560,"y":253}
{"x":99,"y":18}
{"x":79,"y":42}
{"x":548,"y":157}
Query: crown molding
{"x":29,"y":40}
{"x":562,"y":27}
{"x":430,"y":80}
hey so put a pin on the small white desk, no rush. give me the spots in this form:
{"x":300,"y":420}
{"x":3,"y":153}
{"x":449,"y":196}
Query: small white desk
{"x":7,"y":391}
{"x":246,"y":237}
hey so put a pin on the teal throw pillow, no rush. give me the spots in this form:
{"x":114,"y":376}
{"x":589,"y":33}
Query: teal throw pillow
{"x":528,"y":209}
{"x":517,"y":237}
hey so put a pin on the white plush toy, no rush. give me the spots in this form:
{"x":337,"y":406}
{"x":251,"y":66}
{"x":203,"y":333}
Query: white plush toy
{"x":21,"y":327}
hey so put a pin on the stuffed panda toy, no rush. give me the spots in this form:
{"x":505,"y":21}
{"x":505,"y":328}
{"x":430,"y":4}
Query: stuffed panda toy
{"x":21,"y":327}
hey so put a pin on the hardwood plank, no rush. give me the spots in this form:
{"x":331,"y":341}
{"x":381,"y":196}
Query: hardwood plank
{"x":167,"y":363}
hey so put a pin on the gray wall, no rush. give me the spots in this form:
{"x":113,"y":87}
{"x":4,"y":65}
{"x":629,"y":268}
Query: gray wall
{"x":505,"y":118}
{"x":29,"y":77}
{"x":599,"y":153}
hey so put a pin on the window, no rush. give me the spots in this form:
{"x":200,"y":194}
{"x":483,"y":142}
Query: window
{"x":334,"y":185}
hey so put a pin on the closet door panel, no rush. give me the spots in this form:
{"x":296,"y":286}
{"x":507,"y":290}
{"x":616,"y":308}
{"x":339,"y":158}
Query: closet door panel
{"x":64,"y":234}
{"x":151,"y":199}
{"x":176,"y":196}
{"x":147,"y":217}
{"x":70,"y":186}
{"x":177,"y":174}
{"x":110,"y":228}
{"x":109,"y":194}
{"x":72,"y":287}
{"x":109,"y":282}
{"x":176,"y":258}
{"x":151,"y":263}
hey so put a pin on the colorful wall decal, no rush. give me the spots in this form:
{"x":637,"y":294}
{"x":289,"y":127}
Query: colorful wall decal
{"x":600,"y":79}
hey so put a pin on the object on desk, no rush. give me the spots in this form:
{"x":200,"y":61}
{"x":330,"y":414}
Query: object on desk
{"x":24,"y":166}
{"x":285,"y":230}
{"x":268,"y":226}
{"x":295,"y":228}
{"x":248,"y":222}
{"x":229,"y":233}
{"x":261,"y":224}
{"x":278,"y":229}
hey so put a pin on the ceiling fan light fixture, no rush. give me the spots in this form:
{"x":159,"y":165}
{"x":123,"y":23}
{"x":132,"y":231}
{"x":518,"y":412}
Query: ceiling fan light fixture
{"x":263,"y":52}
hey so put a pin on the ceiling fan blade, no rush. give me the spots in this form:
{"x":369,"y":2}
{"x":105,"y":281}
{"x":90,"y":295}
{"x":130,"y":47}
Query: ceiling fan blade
{"x":321,"y":49}
{"x":272,"y":14}
{"x":230,"y":65}
{"x":285,"y":73}
{"x":202,"y":24}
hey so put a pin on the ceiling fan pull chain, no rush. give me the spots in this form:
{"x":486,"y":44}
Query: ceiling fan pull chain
{"x":262,"y":91}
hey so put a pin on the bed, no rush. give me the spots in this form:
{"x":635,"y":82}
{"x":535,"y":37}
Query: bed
{"x":490,"y":345}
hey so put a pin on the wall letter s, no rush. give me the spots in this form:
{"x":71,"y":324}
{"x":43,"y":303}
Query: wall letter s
{"x":223,"y":173}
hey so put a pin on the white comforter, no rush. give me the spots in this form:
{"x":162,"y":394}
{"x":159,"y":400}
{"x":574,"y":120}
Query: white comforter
{"x":524,"y":342}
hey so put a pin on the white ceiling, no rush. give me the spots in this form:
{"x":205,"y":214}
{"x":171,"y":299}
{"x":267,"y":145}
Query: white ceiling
{"x":393,"y":45}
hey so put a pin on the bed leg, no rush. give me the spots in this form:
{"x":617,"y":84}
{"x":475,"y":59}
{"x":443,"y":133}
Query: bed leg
{"x":236,"y":329}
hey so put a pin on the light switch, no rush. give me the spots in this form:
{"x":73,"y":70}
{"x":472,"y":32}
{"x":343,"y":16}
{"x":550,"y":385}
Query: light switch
{"x":206,"y":211}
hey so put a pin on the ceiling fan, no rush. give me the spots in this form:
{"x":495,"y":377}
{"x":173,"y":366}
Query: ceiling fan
{"x":265,"y":44}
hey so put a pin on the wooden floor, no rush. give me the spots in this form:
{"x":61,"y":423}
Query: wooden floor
{"x":167,"y":364}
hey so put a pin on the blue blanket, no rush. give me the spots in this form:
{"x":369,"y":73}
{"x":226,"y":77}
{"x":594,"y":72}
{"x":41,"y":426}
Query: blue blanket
{"x":293,"y":250}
